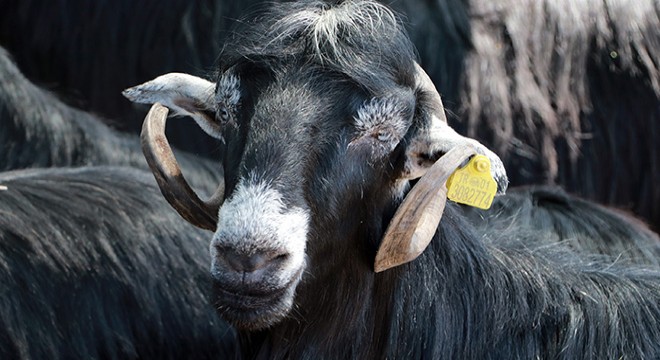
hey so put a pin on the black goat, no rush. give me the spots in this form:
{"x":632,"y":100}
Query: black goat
{"x":93,"y":265}
{"x":326,"y":120}
{"x":38,"y":130}
{"x":581,"y":224}
{"x":567,"y":91}
{"x":57,"y":44}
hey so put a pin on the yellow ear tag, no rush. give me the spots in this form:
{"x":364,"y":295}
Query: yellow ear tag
{"x":473,"y":184}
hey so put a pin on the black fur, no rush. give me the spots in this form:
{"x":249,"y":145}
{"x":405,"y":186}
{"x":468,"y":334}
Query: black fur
{"x":38,"y":130}
{"x":567,"y":91}
{"x":95,"y":265}
{"x":473,"y":294}
{"x":466,"y":298}
{"x":60,"y":48}
{"x":580,"y":224}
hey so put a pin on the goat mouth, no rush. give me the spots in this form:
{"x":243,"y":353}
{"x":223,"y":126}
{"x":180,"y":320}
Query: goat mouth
{"x":246,"y":301}
{"x":252,"y":309}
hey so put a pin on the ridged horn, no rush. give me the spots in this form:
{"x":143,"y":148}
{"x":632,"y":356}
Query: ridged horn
{"x":166,"y":170}
{"x":418,"y":216}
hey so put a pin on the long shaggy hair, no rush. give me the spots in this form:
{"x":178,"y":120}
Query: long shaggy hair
{"x":566,"y":91}
{"x":39,"y":130}
{"x":473,"y":295}
{"x":95,"y":265}
{"x":331,"y":38}
{"x":503,"y":293}
{"x":58,"y":47}
{"x":582,"y":225}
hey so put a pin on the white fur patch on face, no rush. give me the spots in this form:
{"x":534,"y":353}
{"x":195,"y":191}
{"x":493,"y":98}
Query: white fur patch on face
{"x":381,"y":120}
{"x":256,"y":219}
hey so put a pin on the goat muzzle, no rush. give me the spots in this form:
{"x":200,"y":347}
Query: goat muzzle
{"x":416,"y":220}
{"x":166,"y":170}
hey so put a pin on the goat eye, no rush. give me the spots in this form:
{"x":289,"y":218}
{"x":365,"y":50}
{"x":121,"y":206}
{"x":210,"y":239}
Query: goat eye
{"x":223,"y":114}
{"x":383,"y":136}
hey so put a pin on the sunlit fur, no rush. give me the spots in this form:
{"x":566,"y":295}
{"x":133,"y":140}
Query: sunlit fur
{"x":566,"y":92}
{"x":39,"y":130}
{"x":95,"y":265}
{"x":580,"y":224}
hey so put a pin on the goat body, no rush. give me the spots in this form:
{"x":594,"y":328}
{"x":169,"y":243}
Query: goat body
{"x":583,"y":225}
{"x":94,"y":265}
{"x":39,"y":130}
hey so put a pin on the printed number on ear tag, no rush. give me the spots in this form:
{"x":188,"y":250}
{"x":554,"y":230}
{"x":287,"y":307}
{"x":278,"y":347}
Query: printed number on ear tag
{"x":473,"y":184}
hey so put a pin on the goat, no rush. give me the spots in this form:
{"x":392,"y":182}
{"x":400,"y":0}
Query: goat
{"x":38,"y":130}
{"x":581,"y":224}
{"x":566,"y":91}
{"x":94,"y":266}
{"x":66,"y":54}
{"x":326,"y":120}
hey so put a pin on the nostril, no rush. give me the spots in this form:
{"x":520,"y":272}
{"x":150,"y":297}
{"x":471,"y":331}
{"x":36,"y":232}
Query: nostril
{"x":242,"y":262}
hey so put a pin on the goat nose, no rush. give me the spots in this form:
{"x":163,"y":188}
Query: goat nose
{"x":248,"y":263}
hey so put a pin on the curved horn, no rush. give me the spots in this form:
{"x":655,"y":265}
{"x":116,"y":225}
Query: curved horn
{"x":425,"y":83}
{"x":434,"y":135}
{"x":172,"y":184}
{"x":418,"y":216}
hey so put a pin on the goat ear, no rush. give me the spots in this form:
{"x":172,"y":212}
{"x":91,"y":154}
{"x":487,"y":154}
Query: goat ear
{"x":184,"y":95}
{"x":432,"y":136}
{"x":416,"y":220}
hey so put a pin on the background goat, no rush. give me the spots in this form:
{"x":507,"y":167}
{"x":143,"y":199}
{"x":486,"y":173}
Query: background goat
{"x":39,"y":130}
{"x":93,"y":265}
{"x":580,"y":224}
{"x":566,"y":91}
{"x":326,"y":119}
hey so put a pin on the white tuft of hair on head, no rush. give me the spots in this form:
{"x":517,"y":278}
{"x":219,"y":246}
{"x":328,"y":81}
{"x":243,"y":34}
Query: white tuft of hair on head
{"x":329,"y":25}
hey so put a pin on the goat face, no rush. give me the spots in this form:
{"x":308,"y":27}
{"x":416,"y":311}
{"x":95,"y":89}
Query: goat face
{"x":304,"y":152}
{"x":318,"y":149}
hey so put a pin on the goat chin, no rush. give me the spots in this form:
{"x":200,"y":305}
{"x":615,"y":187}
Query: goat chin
{"x":254,"y":309}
